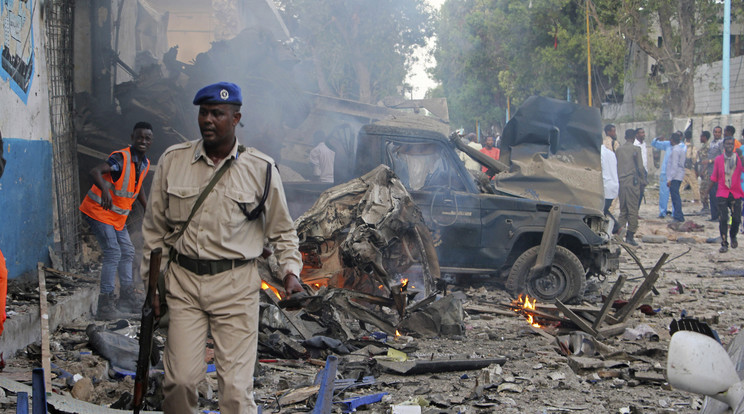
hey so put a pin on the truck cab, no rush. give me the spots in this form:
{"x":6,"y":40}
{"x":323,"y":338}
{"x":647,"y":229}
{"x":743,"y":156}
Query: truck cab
{"x":495,"y":225}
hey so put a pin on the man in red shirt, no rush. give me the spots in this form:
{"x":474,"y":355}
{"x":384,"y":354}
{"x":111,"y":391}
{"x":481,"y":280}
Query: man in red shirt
{"x":3,"y":269}
{"x":727,"y":169}
{"x":490,"y":150}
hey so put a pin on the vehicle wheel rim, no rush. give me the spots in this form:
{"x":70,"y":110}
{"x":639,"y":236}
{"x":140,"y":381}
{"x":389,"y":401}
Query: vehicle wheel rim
{"x":550,"y":287}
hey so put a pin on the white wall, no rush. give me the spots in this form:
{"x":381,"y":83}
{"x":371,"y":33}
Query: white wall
{"x":708,"y":86}
{"x":26,"y":202}
{"x":27,"y":120}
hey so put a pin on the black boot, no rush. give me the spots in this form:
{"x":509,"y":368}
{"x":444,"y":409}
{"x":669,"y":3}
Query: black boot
{"x":629,"y":238}
{"x":724,"y":245}
{"x":106,"y":309}
{"x":129,"y":301}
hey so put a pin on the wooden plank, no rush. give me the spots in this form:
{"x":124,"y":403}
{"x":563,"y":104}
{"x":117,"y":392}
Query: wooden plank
{"x":613,"y":330}
{"x":643,"y":290}
{"x":578,"y":320}
{"x":542,"y":333}
{"x":649,"y":376}
{"x":610,"y":299}
{"x":635,"y":257}
{"x":549,"y":307}
{"x":46,"y":355}
{"x":292,"y":318}
{"x":489,"y":310}
{"x":68,"y":274}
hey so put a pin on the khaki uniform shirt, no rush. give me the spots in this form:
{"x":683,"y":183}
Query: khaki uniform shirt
{"x":219,"y":229}
{"x":702,"y":154}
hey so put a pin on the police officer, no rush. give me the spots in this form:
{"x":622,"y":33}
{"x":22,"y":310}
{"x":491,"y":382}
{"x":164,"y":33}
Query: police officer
{"x":212,"y":282}
{"x":631,"y":176}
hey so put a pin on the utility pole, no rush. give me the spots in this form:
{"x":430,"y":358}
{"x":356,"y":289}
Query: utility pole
{"x":726,"y":57}
{"x":589,"y":56}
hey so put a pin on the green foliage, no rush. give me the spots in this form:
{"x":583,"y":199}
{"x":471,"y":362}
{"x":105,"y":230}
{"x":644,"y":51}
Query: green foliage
{"x":690,"y":32}
{"x":489,"y":51}
{"x":360,"y":49}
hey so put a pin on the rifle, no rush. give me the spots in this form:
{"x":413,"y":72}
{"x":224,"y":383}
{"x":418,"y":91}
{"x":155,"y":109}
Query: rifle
{"x":146,"y":330}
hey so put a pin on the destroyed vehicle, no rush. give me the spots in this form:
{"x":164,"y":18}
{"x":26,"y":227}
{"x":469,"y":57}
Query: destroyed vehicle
{"x":537,"y":225}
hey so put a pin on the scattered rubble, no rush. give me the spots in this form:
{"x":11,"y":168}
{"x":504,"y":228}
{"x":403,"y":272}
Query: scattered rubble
{"x":501,"y":362}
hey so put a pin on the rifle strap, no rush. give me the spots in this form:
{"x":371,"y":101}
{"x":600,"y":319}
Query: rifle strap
{"x":207,"y":190}
{"x":256,"y":212}
{"x":202,"y":197}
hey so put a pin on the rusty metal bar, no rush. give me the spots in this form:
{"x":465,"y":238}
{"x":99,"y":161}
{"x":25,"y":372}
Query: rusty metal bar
{"x":546,"y":253}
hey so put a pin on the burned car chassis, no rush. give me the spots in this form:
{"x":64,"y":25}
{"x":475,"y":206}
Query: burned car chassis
{"x":504,"y":226}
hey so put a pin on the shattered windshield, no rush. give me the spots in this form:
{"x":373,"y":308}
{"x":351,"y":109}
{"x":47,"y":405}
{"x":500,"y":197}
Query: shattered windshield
{"x":422,"y":165}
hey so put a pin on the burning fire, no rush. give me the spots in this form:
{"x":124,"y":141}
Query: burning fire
{"x":526,"y":307}
{"x":265,"y":286}
{"x":403,"y":283}
{"x":397,"y":334}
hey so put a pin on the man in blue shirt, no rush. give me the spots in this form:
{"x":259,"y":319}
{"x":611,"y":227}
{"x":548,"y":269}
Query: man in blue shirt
{"x":675,"y":174}
{"x":664,"y":145}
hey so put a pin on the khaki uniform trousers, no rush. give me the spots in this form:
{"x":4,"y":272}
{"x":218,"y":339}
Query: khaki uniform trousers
{"x":704,"y":189}
{"x":629,"y":197}
{"x":227,"y":303}
{"x":691,"y":180}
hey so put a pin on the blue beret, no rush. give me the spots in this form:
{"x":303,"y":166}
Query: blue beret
{"x":219,"y":93}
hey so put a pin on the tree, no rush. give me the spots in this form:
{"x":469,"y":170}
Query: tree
{"x":359,"y":49}
{"x":491,"y":51}
{"x":678,"y":34}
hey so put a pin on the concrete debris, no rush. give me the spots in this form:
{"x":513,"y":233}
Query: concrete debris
{"x":641,"y":332}
{"x":83,"y":389}
{"x":368,"y":235}
{"x":566,"y":368}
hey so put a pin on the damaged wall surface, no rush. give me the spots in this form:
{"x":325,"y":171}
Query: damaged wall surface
{"x":26,"y":227}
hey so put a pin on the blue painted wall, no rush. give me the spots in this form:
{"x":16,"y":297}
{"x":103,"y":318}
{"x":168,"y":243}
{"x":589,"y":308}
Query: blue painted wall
{"x":26,"y":209}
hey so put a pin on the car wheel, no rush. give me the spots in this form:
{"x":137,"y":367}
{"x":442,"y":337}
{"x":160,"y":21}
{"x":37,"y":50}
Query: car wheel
{"x":565,"y":282}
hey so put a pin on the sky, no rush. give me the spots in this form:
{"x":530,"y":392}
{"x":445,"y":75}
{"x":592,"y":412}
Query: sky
{"x":418,"y":77}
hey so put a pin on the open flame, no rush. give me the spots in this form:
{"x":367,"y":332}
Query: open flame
{"x":526,"y":307}
{"x":265,"y":286}
{"x":397,"y":334}
{"x":403,"y":283}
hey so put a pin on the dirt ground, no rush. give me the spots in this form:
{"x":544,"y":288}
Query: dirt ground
{"x":535,"y":378}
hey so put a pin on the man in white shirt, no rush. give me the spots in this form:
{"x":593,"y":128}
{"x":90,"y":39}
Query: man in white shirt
{"x":675,"y":173}
{"x":611,"y":184}
{"x":322,"y":158}
{"x":640,"y":142}
{"x":470,"y":163}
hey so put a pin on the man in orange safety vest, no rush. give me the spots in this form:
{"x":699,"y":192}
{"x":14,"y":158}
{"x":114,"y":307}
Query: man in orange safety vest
{"x":116,"y":184}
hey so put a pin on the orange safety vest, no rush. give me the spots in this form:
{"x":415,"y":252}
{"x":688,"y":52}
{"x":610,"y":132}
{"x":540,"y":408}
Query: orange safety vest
{"x":125,"y":192}
{"x":3,"y":291}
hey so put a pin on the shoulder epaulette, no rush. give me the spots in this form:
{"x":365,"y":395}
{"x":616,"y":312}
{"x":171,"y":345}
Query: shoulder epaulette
{"x":181,"y":146}
{"x":258,"y":154}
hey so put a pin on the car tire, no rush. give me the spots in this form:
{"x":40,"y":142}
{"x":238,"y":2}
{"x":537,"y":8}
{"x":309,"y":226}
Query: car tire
{"x":566,"y":281}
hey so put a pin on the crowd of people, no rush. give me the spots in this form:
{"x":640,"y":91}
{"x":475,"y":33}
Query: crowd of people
{"x":717,"y":164}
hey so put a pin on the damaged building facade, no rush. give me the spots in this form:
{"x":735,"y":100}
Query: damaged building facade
{"x":34,"y":94}
{"x":77,"y":75}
